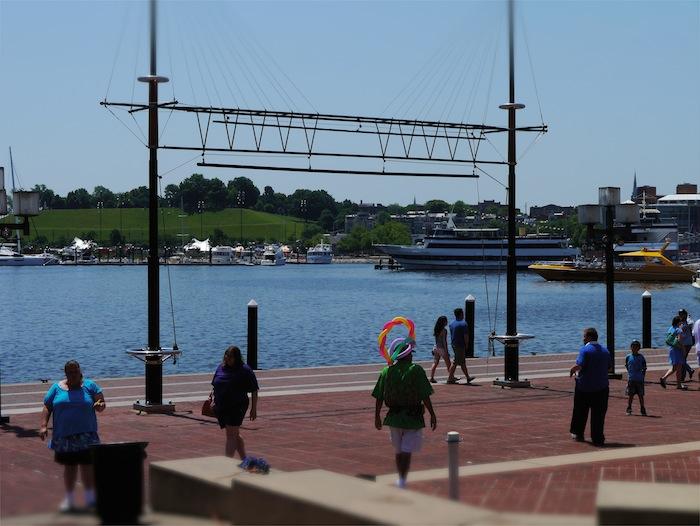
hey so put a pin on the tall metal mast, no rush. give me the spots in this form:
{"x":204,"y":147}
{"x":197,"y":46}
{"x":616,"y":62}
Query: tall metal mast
{"x":512,"y":338}
{"x":154,"y":355}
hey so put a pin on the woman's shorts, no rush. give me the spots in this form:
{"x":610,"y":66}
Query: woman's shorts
{"x":406,"y":440}
{"x":635,"y":388}
{"x":232,"y":416}
{"x":72,"y":458}
{"x":440,"y":353}
{"x":676,"y":356}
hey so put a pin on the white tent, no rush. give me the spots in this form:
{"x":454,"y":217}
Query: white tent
{"x":195,"y":244}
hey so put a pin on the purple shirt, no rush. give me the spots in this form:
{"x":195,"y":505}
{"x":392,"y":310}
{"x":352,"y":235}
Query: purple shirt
{"x":232,"y":385}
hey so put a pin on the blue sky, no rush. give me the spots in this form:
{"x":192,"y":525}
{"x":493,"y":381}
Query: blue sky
{"x":618,"y":85}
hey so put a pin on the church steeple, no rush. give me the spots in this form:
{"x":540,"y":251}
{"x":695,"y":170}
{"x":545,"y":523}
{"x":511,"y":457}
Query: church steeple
{"x":634,"y":186}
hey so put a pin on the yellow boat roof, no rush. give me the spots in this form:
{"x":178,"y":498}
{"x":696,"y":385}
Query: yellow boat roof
{"x":645,"y":254}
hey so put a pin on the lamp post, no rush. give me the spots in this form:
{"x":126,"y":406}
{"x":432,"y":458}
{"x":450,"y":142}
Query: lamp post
{"x":606,"y":212}
{"x":200,"y":209}
{"x":24,"y":205}
{"x":100,"y":206}
{"x":240,"y":200}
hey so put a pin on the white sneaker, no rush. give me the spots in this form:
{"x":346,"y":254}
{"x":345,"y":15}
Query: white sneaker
{"x":401,"y":483}
{"x":66,"y":506}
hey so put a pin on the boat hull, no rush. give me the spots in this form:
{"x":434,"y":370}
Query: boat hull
{"x":319,"y":259}
{"x":28,"y":261}
{"x":659,"y":273}
{"x":477,"y":257}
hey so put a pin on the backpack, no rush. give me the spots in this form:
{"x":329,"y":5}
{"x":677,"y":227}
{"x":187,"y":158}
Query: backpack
{"x":672,"y":339}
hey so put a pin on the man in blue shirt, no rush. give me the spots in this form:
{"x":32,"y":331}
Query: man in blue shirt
{"x":459,"y":336}
{"x":592,"y":389}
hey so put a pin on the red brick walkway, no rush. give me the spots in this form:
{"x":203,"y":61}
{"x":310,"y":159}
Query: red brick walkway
{"x":334,"y":430}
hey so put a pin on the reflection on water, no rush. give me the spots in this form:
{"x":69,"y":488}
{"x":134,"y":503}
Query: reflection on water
{"x":308,"y":315}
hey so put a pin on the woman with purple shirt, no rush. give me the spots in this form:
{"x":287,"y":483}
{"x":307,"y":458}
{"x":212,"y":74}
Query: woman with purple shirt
{"x":232,"y":382}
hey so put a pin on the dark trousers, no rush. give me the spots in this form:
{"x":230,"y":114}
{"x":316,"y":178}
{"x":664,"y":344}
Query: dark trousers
{"x":597,"y":403}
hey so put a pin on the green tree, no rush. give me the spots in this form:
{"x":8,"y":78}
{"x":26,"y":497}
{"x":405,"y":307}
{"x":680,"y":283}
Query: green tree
{"x":79,"y":198}
{"x":217,"y":195}
{"x":326,"y":220}
{"x":105,"y":196}
{"x":460,"y":208}
{"x":46,"y":195}
{"x":391,"y":233}
{"x":437,"y":205}
{"x":115,"y":237}
{"x":383,"y":217}
{"x":249,"y":192}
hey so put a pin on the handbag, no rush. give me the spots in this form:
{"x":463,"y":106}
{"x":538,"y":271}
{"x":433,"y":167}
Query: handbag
{"x":671,"y":339}
{"x":208,"y":406}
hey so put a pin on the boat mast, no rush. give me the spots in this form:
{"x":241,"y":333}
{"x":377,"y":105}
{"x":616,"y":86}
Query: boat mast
{"x":154,"y":355}
{"x":511,"y":358}
{"x":12,"y":174}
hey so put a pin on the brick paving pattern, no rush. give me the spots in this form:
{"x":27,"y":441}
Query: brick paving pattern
{"x":335,"y":431}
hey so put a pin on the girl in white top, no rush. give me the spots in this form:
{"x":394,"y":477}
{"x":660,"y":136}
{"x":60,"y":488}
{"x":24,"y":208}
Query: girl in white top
{"x":440,"y":348}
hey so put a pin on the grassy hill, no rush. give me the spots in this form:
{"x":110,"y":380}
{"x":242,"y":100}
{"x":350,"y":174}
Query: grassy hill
{"x":63,"y":225}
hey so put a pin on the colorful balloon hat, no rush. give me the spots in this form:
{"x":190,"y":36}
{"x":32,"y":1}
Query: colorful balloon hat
{"x":399,"y":347}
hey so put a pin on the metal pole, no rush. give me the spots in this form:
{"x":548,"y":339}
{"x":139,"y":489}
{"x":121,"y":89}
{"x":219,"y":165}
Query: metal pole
{"x":511,"y":358}
{"x":453,"y":463}
{"x":610,"y":287}
{"x":469,"y":311}
{"x":3,"y":419}
{"x":154,"y":366}
{"x":646,"y":319}
{"x":252,"y":334}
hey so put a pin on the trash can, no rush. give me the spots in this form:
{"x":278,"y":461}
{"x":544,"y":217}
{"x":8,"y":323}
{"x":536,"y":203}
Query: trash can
{"x":119,"y":481}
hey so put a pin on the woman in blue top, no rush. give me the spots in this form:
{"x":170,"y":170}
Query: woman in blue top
{"x":232,"y":382}
{"x":676,"y":354}
{"x":73,"y":403}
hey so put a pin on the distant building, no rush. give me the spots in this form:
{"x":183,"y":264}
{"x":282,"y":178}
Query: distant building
{"x":645,"y":193}
{"x":687,"y":188}
{"x":684,"y":209}
{"x":551,"y":212}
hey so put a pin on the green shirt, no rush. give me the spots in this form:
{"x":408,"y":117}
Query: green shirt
{"x":403,"y":387}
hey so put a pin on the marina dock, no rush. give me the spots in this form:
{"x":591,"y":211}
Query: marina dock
{"x":516,"y":455}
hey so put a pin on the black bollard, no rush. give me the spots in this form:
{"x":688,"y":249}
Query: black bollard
{"x":469,"y":311}
{"x":3,"y":419}
{"x":252,"y":334}
{"x":646,"y":319}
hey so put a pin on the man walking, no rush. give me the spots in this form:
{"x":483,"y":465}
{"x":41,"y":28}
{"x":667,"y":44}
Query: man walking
{"x":592,"y":389}
{"x":459,"y":335}
{"x":405,"y":389}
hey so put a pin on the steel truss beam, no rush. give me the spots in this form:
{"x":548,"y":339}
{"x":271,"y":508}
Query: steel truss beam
{"x":297,"y":134}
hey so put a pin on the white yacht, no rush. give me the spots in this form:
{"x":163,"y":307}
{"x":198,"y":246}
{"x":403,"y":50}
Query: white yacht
{"x":223,"y":255}
{"x":320,"y":254}
{"x":273,"y":256}
{"x":11,"y":258}
{"x":696,"y":282}
{"x":451,"y":248}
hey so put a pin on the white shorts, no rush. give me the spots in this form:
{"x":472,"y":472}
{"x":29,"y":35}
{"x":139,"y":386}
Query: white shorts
{"x":406,"y":440}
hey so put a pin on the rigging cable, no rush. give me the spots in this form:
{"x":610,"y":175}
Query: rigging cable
{"x":167,"y":266}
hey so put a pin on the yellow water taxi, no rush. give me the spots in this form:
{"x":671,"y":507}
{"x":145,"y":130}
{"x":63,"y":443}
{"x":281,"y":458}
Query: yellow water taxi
{"x":640,"y":265}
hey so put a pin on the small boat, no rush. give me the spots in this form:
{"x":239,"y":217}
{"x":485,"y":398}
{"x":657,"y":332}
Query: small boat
{"x":223,"y":255}
{"x":696,"y":282}
{"x":640,"y":265}
{"x":273,"y":256}
{"x":321,"y":254}
{"x":11,"y":258}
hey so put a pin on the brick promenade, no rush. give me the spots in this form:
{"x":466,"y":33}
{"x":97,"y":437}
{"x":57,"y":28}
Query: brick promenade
{"x":323,"y":417}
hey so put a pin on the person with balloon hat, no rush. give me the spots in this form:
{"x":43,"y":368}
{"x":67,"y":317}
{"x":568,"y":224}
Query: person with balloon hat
{"x":404,"y":387}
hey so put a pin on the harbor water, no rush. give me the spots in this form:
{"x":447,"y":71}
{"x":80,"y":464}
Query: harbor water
{"x":309,"y":315}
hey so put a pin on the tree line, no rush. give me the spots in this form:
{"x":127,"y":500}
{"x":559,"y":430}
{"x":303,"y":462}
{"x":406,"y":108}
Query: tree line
{"x":199,"y":194}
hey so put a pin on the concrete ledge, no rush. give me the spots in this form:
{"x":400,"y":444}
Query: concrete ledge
{"x":647,"y":503}
{"x":197,"y":486}
{"x":321,"y":497}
